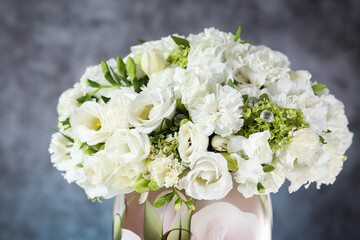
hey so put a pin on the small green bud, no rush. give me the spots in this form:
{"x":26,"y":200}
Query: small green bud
{"x":177,"y":204}
{"x":190,"y":205}
{"x":141,"y":185}
{"x":160,"y":202}
{"x":153,"y":186}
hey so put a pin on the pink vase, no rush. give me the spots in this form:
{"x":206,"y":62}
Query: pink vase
{"x":231,"y":218}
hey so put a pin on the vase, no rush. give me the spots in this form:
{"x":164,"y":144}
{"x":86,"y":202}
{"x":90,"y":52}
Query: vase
{"x":233,"y":217}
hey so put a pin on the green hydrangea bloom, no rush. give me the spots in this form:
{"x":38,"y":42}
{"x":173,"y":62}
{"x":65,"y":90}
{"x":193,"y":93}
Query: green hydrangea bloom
{"x":285,"y":120}
{"x":179,"y":56}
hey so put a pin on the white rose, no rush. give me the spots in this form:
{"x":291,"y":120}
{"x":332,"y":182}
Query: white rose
{"x":88,"y":123}
{"x":98,"y":168}
{"x":149,"y":108}
{"x":129,"y":146}
{"x":191,"y":140}
{"x":209,"y":177}
{"x":152,"y":62}
{"x":123,"y":180}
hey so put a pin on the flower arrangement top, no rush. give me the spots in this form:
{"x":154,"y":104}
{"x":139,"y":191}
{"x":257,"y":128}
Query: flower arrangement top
{"x":203,"y":114}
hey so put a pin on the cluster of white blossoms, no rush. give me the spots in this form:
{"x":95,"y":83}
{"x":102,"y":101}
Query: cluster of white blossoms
{"x":202,"y":114}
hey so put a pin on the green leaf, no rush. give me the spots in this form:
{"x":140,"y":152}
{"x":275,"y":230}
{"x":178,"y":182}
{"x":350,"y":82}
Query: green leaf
{"x":141,"y":41}
{"x":84,"y":98}
{"x":232,"y":163}
{"x":92,"y":83}
{"x":121,"y":67}
{"x":244,"y":42}
{"x":65,"y":136}
{"x":268,"y":168}
{"x":322,"y":140}
{"x":181,"y":41}
{"x":180,"y":230}
{"x":237,"y":36}
{"x":79,"y":165}
{"x":318,"y":87}
{"x":264,"y":97}
{"x":153,"y":226}
{"x":180,"y":108}
{"x":245,"y":97}
{"x":144,"y":81}
{"x":231,"y":83}
{"x":183,"y":122}
{"x":110,"y":78}
{"x":66,"y":123}
{"x":104,"y":67}
{"x":105,"y":99}
{"x":116,"y":76}
{"x":131,"y":68}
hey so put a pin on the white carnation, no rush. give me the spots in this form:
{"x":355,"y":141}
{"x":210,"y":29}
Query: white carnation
{"x":165,"y":171}
{"x":262,"y":66}
{"x":221,"y":112}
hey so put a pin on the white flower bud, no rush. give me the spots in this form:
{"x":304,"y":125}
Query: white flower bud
{"x":152,"y":62}
{"x":219,"y":143}
{"x":300,"y":74}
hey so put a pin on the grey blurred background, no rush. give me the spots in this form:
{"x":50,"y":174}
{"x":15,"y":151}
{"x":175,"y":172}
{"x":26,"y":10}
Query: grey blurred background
{"x":47,"y":44}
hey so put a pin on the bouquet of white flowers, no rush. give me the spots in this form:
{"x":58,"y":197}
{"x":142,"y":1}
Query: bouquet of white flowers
{"x":199,"y":114}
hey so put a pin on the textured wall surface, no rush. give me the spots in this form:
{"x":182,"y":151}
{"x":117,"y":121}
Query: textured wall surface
{"x":47,"y":44}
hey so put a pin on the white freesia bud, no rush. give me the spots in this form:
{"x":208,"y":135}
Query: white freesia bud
{"x":98,"y":168}
{"x":87,"y":123}
{"x":191,"y":140}
{"x":300,"y":74}
{"x":219,"y":143}
{"x":152,"y":62}
{"x":129,"y":146}
{"x":209,"y":177}
{"x":149,"y":108}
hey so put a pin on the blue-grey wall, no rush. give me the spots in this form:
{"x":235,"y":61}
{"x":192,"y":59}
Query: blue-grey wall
{"x":45,"y":46}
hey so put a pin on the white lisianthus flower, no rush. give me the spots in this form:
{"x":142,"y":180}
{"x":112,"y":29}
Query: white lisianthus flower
{"x":129,"y":146}
{"x":221,"y":112}
{"x":152,"y":62}
{"x":165,"y":171}
{"x":209,"y":178}
{"x":98,"y":168}
{"x":149,"y":108}
{"x":165,"y":46}
{"x":89,"y":124}
{"x":191,"y":140}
